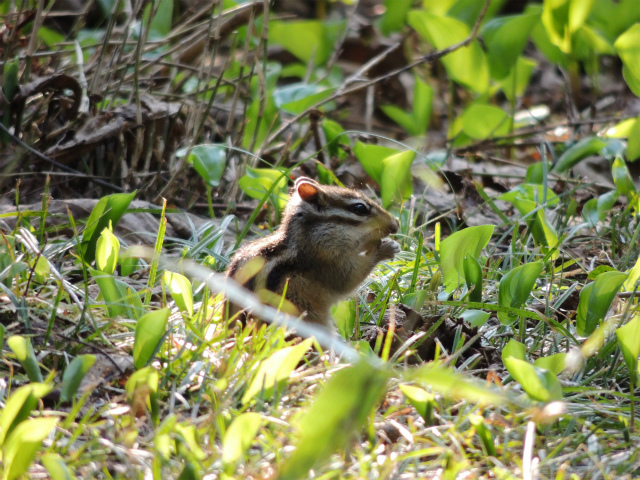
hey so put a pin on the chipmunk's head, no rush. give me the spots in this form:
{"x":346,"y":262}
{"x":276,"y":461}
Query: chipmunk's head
{"x":339,"y":206}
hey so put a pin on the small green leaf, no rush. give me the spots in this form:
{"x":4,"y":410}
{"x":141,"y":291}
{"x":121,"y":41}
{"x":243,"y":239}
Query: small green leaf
{"x":239,"y":437}
{"x":22,"y":444}
{"x":150,"y":331}
{"x":628,"y":47}
{"x":629,"y":342}
{"x":595,"y":300}
{"x":584,"y":148}
{"x":473,"y":277}
{"x":74,"y":374}
{"x":26,"y":356}
{"x":540,"y":384}
{"x":468,"y":65}
{"x":394,"y":16}
{"x":142,"y":388}
{"x":371,"y":157}
{"x":109,"y":209}
{"x":19,"y":405}
{"x":554,"y":363}
{"x":257,"y":182}
{"x":344,"y":314}
{"x":56,"y":468}
{"x":298,"y":97}
{"x":485,"y":121}
{"x":621,"y":178}
{"x":515,"y":287}
{"x":633,"y":143}
{"x":107,"y":250}
{"x":514,"y":349}
{"x":395,"y":185}
{"x":423,"y":401}
{"x":453,"y":249}
{"x":273,"y":373}
{"x":209,"y":161}
{"x":161,"y":22}
{"x":180,"y":288}
{"x":596,"y":210}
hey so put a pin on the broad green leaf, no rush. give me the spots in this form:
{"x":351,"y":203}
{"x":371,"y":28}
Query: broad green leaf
{"x":514,"y":349}
{"x":188,"y":436}
{"x":485,"y":121}
{"x":505,"y":39}
{"x":395,"y":185}
{"x":628,"y":47}
{"x":453,"y":249}
{"x":56,"y":468}
{"x":298,"y":97}
{"x":633,"y":82}
{"x":273,"y":372}
{"x":633,"y":143}
{"x":23,"y":349}
{"x":543,"y":43}
{"x":108,"y":209}
{"x":180,"y":288}
{"x":596,"y":210}
{"x":423,"y":401}
{"x":395,"y":16}
{"x":257,"y":182}
{"x":309,"y":40}
{"x":539,"y":383}
{"x":334,"y":133}
{"x":118,"y":297}
{"x":515,"y":84}
{"x":371,"y":157}
{"x":595,"y":300}
{"x":554,"y":363}
{"x":515,"y":287}
{"x":337,"y":412}
{"x":573,"y":155}
{"x":344,"y":314}
{"x":107,"y":250}
{"x":473,"y":277}
{"x":22,"y":444}
{"x":239,"y":437}
{"x":142,"y":389}
{"x":150,"y":331}
{"x":74,"y":374}
{"x":622,"y":129}
{"x":467,"y":65}
{"x":621,"y":178}
{"x":264,"y":124}
{"x":629,"y":342}
{"x":633,"y":278}
{"x":19,"y":405}
{"x":416,"y":121}
{"x":452,"y":384}
{"x":161,"y":22}
{"x":475,"y":318}
{"x":209,"y":161}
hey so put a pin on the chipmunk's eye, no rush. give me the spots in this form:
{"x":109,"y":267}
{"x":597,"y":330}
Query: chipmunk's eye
{"x":359,"y":209}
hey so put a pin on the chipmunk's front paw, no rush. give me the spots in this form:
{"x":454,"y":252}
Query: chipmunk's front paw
{"x":387,"y":249}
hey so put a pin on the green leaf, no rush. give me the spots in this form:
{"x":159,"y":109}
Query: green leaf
{"x":10,"y":83}
{"x":274,"y":372}
{"x":371,"y":157}
{"x":22,"y":444}
{"x":257,"y":182}
{"x":475,"y":318}
{"x":595,"y":300}
{"x":584,"y":148}
{"x":118,"y":297}
{"x":515,"y":288}
{"x":56,"y":468}
{"x":209,"y":161}
{"x":554,"y":363}
{"x":395,"y":185}
{"x":423,"y":401}
{"x":621,"y":178}
{"x":26,"y":356}
{"x":298,"y":97}
{"x":336,"y":414}
{"x":417,"y":121}
{"x":309,"y":40}
{"x":485,"y":121}
{"x":142,"y":388}
{"x":514,"y":349}
{"x":538,"y":383}
{"x":150,"y":331}
{"x":633,"y":278}
{"x":19,"y":405}
{"x":453,"y":249}
{"x":180,"y":288}
{"x":633,"y":82}
{"x":344,"y":314}
{"x":629,"y":342}
{"x":633,"y":143}
{"x":468,"y":65}
{"x":239,"y":437}
{"x":473,"y":277}
{"x":505,"y":39}
{"x":394,"y":16}
{"x":264,"y":124}
{"x":596,"y":210}
{"x":161,"y":22}
{"x":107,"y":250}
{"x":108,"y":209}
{"x":628,"y":47}
{"x":74,"y":374}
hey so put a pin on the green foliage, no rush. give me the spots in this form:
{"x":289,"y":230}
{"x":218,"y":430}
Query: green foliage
{"x":515,"y":287}
{"x":456,"y":247}
{"x":595,"y":300}
{"x":238,"y":438}
{"x":21,"y":446}
{"x":150,"y":332}
{"x":180,"y":288}
{"x":209,"y":161}
{"x":74,"y":374}
{"x":107,"y":250}
{"x":23,"y":350}
{"x":416,"y":121}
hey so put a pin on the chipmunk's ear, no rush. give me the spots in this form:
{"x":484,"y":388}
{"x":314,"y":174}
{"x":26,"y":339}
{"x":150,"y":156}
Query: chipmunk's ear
{"x":307,"y":189}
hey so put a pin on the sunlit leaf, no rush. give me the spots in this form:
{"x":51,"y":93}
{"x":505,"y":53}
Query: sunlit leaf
{"x":209,"y":161}
{"x":74,"y":374}
{"x":539,"y":383}
{"x":23,"y":350}
{"x":454,"y":248}
{"x":180,"y":288}
{"x":595,"y":300}
{"x":22,"y":444}
{"x":239,"y":436}
{"x":150,"y":331}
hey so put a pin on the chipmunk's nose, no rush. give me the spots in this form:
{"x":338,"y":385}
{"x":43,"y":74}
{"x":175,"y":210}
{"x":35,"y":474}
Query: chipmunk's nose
{"x":393,"y":228}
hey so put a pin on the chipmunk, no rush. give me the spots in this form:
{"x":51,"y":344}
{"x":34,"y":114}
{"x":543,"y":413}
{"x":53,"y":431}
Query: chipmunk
{"x":329,"y":240}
